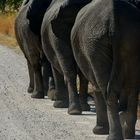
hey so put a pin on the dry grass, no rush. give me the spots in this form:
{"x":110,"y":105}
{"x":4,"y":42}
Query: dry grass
{"x":7,"y":35}
{"x":7,"y":24}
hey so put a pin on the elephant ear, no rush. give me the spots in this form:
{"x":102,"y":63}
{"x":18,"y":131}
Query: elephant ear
{"x":63,"y":20}
{"x":35,"y":14}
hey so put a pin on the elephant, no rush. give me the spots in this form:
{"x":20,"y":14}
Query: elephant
{"x":136,"y":3}
{"x":28,"y":38}
{"x":55,"y":34}
{"x":105,"y":40}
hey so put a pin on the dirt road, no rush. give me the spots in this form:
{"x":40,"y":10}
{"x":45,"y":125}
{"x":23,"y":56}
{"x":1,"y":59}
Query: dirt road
{"x":23,"y":118}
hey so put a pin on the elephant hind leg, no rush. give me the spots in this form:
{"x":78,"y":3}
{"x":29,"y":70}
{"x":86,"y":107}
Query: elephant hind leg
{"x":46,"y":74}
{"x":83,"y":92}
{"x":74,"y":102}
{"x":38,"y":92}
{"x":31,"y":78}
{"x":131,"y":115}
{"x":51,"y":91}
{"x":102,"y":125}
{"x":61,"y":93}
{"x":114,"y":91}
{"x":101,"y":63}
{"x":123,"y":100}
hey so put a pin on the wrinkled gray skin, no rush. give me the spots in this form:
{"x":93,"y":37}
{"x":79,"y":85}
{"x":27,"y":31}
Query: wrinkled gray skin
{"x":29,"y":42}
{"x":106,"y":46}
{"x":55,"y":34}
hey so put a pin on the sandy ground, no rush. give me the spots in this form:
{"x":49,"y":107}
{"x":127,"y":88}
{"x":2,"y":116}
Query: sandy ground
{"x":23,"y":118}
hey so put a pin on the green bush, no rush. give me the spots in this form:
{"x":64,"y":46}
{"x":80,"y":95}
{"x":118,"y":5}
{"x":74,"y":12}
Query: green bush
{"x":9,"y":5}
{"x":2,"y":5}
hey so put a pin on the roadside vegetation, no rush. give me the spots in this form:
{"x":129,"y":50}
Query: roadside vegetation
{"x":7,"y":35}
{"x":9,"y":5}
{"x":8,"y":11}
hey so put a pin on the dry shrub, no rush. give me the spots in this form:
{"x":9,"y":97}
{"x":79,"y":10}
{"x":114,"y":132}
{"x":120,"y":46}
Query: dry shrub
{"x":7,"y":24}
{"x":7,"y":35}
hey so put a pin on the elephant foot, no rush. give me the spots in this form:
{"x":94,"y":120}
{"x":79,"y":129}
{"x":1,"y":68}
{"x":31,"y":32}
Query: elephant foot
{"x":38,"y":95}
{"x":85,"y":107}
{"x":115,"y":138}
{"x":51,"y":94}
{"x":30,"y":89}
{"x":61,"y":104}
{"x":101,"y":130}
{"x":74,"y":109}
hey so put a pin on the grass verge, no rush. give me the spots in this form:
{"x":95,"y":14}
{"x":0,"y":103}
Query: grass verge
{"x":7,"y":34}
